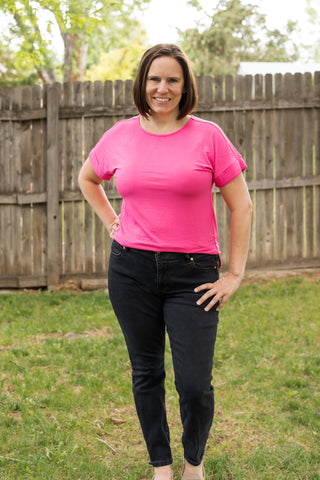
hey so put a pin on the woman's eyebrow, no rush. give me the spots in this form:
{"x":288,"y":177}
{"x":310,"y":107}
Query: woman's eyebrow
{"x":157,"y":76}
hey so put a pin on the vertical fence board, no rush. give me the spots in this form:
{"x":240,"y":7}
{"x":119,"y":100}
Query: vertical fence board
{"x":53,"y":183}
{"x":249,"y":153}
{"x":218,"y":86}
{"x":77,"y":162}
{"x":316,"y":167}
{"x":228,"y":117}
{"x":108,"y":102}
{"x":67,"y":177}
{"x":26,"y":185}
{"x":109,"y":186}
{"x":128,"y":96}
{"x":297,"y":193}
{"x":279,"y":172}
{"x":288,"y":140}
{"x":12,"y":178}
{"x":308,"y":144}
{"x":269,"y":220}
{"x":207,"y":98}
{"x":15,"y":174}
{"x":248,"y":130}
{"x":259,"y":169}
{"x":6,"y":186}
{"x":2,"y":170}
{"x":38,"y":186}
{"x":99,"y":230}
{"x":239,"y":120}
{"x":88,"y":216}
{"x":292,"y":138}
{"x":119,"y":93}
{"x":199,"y":83}
{"x":228,"y":127}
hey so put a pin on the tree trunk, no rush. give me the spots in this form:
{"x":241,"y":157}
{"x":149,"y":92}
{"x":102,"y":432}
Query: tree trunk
{"x":75,"y":57}
{"x":48,"y":76}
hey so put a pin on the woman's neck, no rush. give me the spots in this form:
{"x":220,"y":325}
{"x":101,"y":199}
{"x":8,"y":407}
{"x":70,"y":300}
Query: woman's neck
{"x":162,"y":125}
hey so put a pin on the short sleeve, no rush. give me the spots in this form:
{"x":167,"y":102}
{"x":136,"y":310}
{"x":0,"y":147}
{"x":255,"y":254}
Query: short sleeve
{"x":101,"y":157}
{"x":227,"y":161}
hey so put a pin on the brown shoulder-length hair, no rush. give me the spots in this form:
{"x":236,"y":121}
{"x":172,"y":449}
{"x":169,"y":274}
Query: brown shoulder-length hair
{"x":189,"y":97}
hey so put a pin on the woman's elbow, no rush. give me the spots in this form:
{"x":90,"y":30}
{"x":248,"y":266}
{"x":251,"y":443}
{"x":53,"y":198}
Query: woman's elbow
{"x":87,"y":175}
{"x":249,"y":206}
{"x":249,"y":209}
{"x":81,"y":178}
{"x":245,"y":208}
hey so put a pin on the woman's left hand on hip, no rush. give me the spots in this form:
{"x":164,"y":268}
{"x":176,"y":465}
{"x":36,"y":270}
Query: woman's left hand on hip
{"x":220,"y":291}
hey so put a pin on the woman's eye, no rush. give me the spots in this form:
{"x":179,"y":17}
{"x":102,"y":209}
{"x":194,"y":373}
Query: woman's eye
{"x":157,"y":79}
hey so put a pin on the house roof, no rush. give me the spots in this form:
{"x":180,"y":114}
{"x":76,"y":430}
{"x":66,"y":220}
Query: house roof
{"x":263,"y":68}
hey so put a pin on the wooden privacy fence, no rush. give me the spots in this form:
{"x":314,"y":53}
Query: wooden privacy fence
{"x":49,"y":235}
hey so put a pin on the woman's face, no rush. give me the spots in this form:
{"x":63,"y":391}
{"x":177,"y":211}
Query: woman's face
{"x":164,"y":86}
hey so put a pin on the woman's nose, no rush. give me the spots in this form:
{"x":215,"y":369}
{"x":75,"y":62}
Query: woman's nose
{"x":163,"y":87}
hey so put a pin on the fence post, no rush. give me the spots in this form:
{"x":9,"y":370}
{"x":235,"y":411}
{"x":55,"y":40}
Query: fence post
{"x":53,"y":181}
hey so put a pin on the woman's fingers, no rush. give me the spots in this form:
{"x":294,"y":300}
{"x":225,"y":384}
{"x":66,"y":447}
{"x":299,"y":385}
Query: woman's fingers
{"x":219,"y":291}
{"x":114,"y":227}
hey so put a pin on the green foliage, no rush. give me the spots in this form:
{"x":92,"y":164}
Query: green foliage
{"x":234,"y":32}
{"x":31,"y":45}
{"x":83,"y":27}
{"x":279,"y":46}
{"x":120,"y":63}
{"x":120,"y":60}
{"x":313,"y":11}
{"x":15,"y":67}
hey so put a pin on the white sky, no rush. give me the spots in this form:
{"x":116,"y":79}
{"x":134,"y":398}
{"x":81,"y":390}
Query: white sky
{"x":162,"y":16}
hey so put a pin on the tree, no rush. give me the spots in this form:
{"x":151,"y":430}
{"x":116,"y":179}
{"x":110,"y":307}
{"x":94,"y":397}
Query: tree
{"x":121,"y":62}
{"x":313,"y":11}
{"x":279,"y":47}
{"x":12,"y":69}
{"x":82,"y":26}
{"x":234,"y":32}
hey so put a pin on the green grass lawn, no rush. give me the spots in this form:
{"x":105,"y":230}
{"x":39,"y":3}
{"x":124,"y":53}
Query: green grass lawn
{"x":66,"y":407}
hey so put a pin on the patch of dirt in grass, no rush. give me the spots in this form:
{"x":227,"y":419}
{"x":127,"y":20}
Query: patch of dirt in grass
{"x":69,"y":285}
{"x":39,"y":339}
{"x":251,"y":276}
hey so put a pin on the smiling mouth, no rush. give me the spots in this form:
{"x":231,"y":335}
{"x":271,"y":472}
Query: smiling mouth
{"x":162,"y":100}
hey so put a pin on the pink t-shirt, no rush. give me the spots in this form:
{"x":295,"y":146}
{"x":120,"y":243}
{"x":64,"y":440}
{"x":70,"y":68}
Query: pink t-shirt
{"x":166,"y":183}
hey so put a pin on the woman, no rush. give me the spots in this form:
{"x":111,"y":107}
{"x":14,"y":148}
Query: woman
{"x":164,"y":264}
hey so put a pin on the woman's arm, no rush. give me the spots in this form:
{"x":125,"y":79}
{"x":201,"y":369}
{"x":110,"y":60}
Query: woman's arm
{"x":90,"y":185}
{"x":237,"y":198}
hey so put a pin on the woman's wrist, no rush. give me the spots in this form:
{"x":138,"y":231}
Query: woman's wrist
{"x":113,"y":226}
{"x":238,"y":275}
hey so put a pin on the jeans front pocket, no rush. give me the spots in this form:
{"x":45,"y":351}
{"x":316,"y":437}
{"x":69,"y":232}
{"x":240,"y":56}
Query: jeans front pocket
{"x":117,"y":249}
{"x":204,"y":261}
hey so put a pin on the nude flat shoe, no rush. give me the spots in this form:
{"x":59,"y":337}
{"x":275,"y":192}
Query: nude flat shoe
{"x":193,"y":476}
{"x":154,"y":477}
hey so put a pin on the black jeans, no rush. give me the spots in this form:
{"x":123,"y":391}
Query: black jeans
{"x":152,"y":292}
